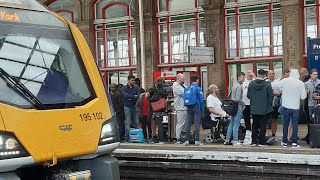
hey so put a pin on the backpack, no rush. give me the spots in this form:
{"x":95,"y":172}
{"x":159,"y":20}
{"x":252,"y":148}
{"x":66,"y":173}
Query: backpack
{"x":190,"y":96}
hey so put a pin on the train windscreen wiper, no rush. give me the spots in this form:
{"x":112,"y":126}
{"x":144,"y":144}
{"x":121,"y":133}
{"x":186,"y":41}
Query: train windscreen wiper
{"x":19,"y":87}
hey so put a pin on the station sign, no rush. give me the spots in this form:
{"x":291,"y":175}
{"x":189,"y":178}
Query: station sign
{"x":201,"y":54}
{"x":313,"y":53}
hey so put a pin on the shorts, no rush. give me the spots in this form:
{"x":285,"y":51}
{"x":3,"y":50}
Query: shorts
{"x":275,"y":113}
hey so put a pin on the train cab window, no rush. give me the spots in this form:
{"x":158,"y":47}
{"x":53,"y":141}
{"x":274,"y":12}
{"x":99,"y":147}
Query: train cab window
{"x":45,"y":59}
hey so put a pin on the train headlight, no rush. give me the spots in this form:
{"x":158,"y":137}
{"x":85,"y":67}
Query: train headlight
{"x":109,"y":132}
{"x":10,"y":147}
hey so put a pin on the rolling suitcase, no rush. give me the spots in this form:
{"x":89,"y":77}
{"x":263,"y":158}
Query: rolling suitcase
{"x":314,"y":128}
{"x":173,"y":124}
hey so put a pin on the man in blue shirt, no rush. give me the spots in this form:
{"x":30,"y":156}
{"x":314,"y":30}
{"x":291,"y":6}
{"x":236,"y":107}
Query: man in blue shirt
{"x":130,"y":94}
{"x":194,"y":113}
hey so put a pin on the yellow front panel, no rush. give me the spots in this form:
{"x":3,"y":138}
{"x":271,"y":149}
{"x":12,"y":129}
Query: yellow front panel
{"x":62,"y":133}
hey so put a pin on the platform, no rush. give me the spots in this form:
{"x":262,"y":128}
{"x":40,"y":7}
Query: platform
{"x":148,"y":160}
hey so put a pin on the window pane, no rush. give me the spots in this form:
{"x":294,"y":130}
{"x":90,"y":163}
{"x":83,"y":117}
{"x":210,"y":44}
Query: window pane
{"x":162,"y":5}
{"x":246,"y":66}
{"x":116,"y":11}
{"x":68,"y":5}
{"x":113,"y":77}
{"x":277,"y":68}
{"x":277,"y":33}
{"x":123,"y":77}
{"x":100,"y":49}
{"x":231,"y":37}
{"x":117,"y":48}
{"x":202,"y":32}
{"x":232,"y":70}
{"x":182,"y":36}
{"x":163,"y":40}
{"x":200,"y":3}
{"x":177,"y":5}
{"x":263,"y":65}
{"x":133,"y":47}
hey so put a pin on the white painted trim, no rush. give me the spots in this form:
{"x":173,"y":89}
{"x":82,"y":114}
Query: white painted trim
{"x":256,"y":157}
{"x":249,"y":3}
{"x":181,"y":12}
{"x":113,"y":20}
{"x":7,"y":165}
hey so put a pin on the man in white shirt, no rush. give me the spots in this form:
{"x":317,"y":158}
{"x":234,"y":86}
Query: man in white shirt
{"x":293,"y":90}
{"x":246,"y":112}
{"x":214,"y":104}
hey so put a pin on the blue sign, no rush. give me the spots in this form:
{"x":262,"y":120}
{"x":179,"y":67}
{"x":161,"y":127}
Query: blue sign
{"x":313,"y":53}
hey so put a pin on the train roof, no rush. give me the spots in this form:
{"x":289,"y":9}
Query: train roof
{"x":23,"y":4}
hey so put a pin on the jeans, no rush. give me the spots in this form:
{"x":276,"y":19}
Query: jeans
{"x":247,"y":118}
{"x":193,"y":114}
{"x":131,"y":114}
{"x":292,"y":114}
{"x":311,"y":110}
{"x":259,"y":128}
{"x":233,"y":128}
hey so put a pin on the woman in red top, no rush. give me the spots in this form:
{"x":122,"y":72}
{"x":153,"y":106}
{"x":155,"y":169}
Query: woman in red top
{"x":142,"y":107}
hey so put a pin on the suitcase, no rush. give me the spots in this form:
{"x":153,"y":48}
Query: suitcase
{"x":314,"y":128}
{"x":136,"y":135}
{"x":173,"y":124}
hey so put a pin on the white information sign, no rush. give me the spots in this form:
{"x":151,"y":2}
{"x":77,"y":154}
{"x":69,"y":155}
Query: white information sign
{"x":201,"y":54}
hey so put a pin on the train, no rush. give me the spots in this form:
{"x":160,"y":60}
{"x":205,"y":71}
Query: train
{"x":56,"y":115}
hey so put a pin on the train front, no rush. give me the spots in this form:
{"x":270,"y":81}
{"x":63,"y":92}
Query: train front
{"x":54,"y":108}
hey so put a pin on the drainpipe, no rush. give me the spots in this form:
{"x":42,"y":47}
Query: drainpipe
{"x":143,"y":61}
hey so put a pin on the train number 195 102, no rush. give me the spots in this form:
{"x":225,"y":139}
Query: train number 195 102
{"x":91,"y":116}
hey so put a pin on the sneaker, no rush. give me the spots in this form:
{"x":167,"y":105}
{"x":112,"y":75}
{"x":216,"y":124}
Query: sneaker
{"x":284,"y":144}
{"x":186,"y":143}
{"x":179,"y":142}
{"x":160,"y":142}
{"x":262,"y":145}
{"x":253,"y":145}
{"x":236,"y":143}
{"x":271,"y":140}
{"x":227,"y":142}
{"x":150,"y":141}
{"x":198,"y":143}
{"x":295,"y":145}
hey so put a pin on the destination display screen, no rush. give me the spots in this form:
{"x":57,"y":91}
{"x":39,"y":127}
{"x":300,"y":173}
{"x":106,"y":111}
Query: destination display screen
{"x":29,"y":17}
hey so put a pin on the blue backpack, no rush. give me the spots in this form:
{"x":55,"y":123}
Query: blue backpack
{"x":190,"y":96}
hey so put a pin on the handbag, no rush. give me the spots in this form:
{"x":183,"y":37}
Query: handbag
{"x":230,"y":107}
{"x":158,"y":105}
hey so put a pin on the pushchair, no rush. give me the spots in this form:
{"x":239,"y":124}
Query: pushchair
{"x":219,"y":128}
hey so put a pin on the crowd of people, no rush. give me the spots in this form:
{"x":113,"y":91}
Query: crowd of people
{"x":265,"y":98}
{"x":260,"y":97}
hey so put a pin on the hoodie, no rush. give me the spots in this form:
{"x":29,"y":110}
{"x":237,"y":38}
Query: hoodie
{"x":293,"y":90}
{"x":261,"y":97}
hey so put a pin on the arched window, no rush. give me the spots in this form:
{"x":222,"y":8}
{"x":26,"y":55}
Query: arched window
{"x":66,"y":8}
{"x":179,"y":5}
{"x":115,"y":47}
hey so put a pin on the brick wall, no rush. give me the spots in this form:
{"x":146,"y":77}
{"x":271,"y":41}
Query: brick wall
{"x":292,"y":33}
{"x":215,"y":38}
